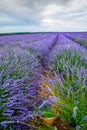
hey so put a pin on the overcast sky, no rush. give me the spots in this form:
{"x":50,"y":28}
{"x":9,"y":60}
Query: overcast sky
{"x":43,"y":15}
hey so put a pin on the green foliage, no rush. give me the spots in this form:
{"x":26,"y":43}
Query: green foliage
{"x":48,"y":114}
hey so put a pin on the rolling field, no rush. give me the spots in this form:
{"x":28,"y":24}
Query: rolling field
{"x":43,"y":81}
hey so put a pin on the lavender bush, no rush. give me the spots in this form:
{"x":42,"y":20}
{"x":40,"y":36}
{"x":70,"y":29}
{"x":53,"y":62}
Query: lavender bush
{"x":78,"y":39}
{"x":70,"y":89}
{"x":17,"y":92}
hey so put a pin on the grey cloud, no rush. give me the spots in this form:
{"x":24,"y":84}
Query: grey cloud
{"x":28,"y":12}
{"x":38,"y":3}
{"x":33,"y":5}
{"x":25,"y":8}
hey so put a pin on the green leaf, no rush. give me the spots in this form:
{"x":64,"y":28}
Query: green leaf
{"x":48,"y":114}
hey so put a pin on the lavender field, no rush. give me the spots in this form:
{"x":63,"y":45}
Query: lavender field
{"x":43,"y":81}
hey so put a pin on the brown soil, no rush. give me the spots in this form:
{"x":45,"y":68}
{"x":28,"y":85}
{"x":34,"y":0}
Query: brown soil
{"x":61,"y":125}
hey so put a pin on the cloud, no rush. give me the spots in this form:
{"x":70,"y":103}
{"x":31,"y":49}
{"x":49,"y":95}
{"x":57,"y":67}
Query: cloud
{"x":51,"y":22}
{"x":52,"y":9}
{"x":39,"y":14}
{"x":41,"y":3}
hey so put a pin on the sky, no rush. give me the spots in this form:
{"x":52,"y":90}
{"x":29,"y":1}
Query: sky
{"x":43,"y":15}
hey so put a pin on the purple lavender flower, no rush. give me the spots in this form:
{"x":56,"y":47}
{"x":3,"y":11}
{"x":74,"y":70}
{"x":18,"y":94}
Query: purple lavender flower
{"x":74,"y":111}
{"x":78,"y":127}
{"x":69,"y":91}
{"x":85,"y":118}
{"x":4,"y":124}
{"x":51,"y":100}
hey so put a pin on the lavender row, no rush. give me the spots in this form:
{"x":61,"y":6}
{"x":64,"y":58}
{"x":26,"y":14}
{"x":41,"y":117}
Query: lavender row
{"x":26,"y":38}
{"x":19,"y":80}
{"x":81,"y":39}
{"x":18,"y":94}
{"x":65,"y":43}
